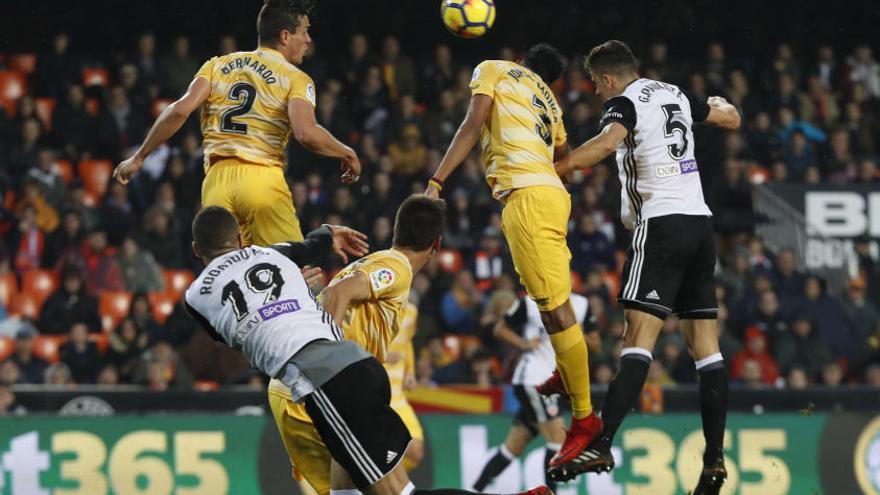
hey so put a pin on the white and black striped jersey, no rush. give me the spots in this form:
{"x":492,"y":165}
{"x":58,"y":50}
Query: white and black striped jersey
{"x":255,"y":299}
{"x":536,"y":366}
{"x":658,"y":172}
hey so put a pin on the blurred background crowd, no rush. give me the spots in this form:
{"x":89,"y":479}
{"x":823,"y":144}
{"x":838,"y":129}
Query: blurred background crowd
{"x":92,"y":272}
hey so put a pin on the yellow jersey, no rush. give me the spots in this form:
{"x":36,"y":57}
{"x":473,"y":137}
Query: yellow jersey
{"x":374,"y":323}
{"x":245,"y":115}
{"x":523,"y":129}
{"x":403,"y":347}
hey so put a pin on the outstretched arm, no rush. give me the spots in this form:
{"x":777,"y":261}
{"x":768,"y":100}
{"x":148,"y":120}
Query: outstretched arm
{"x":722,"y":114}
{"x":169,"y":122}
{"x":317,"y":139}
{"x":337,"y":297}
{"x":465,"y":138}
{"x":594,"y":150}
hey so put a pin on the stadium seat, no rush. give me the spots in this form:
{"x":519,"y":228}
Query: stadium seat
{"x":7,"y":347}
{"x":64,"y":169}
{"x":47,"y":346}
{"x":8,"y":288}
{"x":100,"y":339}
{"x":113,"y":306}
{"x":206,"y":385}
{"x":25,"y":63}
{"x":24,"y":305}
{"x":40,"y":283}
{"x":450,"y":260}
{"x":159,"y":105}
{"x":95,"y":77}
{"x":13,"y":86}
{"x":95,"y":175}
{"x":162,"y":304}
{"x":45,"y":107}
{"x":176,"y":282}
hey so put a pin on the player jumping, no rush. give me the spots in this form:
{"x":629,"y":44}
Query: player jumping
{"x":251,"y":103}
{"x":671,"y":262}
{"x":256,"y":300}
{"x":515,"y":115}
{"x":369,"y":299}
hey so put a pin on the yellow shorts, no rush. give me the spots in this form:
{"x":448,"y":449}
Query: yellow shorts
{"x":309,"y":456}
{"x":408,"y":415}
{"x":258,"y":196}
{"x":535,"y":223}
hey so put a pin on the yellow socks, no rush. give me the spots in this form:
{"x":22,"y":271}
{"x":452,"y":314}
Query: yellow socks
{"x":572,"y":361}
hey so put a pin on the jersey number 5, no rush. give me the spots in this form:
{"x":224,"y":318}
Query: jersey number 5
{"x":263,"y":278}
{"x":675,"y":124}
{"x":245,"y":93}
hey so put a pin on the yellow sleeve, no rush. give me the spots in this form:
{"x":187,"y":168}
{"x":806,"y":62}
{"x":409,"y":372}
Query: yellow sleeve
{"x":560,"y":136}
{"x":302,"y":86}
{"x":484,"y":79}
{"x":387,"y":278}
{"x":206,"y":70}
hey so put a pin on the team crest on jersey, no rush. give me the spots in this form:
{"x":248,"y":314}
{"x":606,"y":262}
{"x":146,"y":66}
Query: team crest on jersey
{"x":476,"y":74}
{"x":310,"y":93}
{"x":382,"y":278}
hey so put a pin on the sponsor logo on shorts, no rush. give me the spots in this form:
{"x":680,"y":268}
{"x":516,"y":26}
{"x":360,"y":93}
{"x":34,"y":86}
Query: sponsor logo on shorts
{"x":382,"y":278}
{"x":279,"y":308}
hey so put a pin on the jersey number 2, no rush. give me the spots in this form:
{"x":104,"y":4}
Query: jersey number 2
{"x":674,"y":124}
{"x":263,"y":278}
{"x":245,"y":93}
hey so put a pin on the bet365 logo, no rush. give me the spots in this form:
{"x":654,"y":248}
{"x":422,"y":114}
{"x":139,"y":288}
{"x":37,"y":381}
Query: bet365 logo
{"x":138,"y":463}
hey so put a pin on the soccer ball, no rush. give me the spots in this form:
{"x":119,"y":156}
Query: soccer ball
{"x":468,"y":18}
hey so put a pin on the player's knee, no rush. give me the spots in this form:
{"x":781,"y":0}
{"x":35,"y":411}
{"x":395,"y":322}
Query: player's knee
{"x":559,"y":318}
{"x":515,"y":448}
{"x":414,"y":454}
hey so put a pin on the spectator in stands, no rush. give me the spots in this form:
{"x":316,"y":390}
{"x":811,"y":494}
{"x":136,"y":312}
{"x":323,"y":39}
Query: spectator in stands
{"x":125,"y":345}
{"x":80,"y":355}
{"x":865,"y":71}
{"x":27,"y":241}
{"x":408,"y":153}
{"x":398,"y":69}
{"x":755,"y":351}
{"x":460,"y":227}
{"x":145,"y":57}
{"x":489,"y":263}
{"x":33,"y":196}
{"x":78,"y":200}
{"x":73,"y":125}
{"x":69,"y":304}
{"x":68,"y":236}
{"x":787,"y":279}
{"x":872,"y":375}
{"x":830,"y":322}
{"x":797,"y":379}
{"x":58,"y":375}
{"x":227,"y":44}
{"x":460,"y":304}
{"x":8,"y":406}
{"x":139,"y":268}
{"x":178,"y":68}
{"x":142,"y":314}
{"x":589,"y":247}
{"x":31,"y":367}
{"x":840,"y":166}
{"x":753,"y":375}
{"x":161,"y":368}
{"x":769,"y":317}
{"x":359,"y":59}
{"x":863,"y":317}
{"x":443,"y":121}
{"x":50,"y":182}
{"x":120,"y":125}
{"x":868,"y":172}
{"x":370,"y":110}
{"x":729,"y":344}
{"x":96,"y":261}
{"x":117,"y":214}
{"x":57,"y":68}
{"x":799,"y":155}
{"x":160,"y":239}
{"x":581,"y":123}
{"x":802,"y":349}
{"x":108,"y":376}
{"x":9,"y":372}
{"x":832,"y":374}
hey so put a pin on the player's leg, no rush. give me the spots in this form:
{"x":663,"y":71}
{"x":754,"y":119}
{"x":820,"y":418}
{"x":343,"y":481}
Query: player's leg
{"x":552,"y":429}
{"x":416,"y":450}
{"x":698,"y":309}
{"x":309,"y":458}
{"x":514,"y":445}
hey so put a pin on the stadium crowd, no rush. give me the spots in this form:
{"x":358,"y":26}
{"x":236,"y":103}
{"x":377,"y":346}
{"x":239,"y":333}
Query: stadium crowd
{"x":111,"y":258}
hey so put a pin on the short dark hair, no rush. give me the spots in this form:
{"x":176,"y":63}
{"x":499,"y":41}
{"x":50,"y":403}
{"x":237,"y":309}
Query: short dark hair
{"x":213,"y":229}
{"x":420,"y":221}
{"x":545,"y":61}
{"x":280,"y":15}
{"x":611,"y":57}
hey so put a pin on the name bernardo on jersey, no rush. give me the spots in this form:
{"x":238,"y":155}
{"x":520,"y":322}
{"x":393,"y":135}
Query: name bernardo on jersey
{"x":255,"y":66}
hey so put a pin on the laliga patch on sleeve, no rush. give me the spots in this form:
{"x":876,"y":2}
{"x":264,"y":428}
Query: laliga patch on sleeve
{"x":382,"y":278}
{"x":310,"y":93}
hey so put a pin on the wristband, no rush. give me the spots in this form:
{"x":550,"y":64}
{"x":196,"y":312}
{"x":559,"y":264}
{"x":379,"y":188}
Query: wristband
{"x":434,"y":181}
